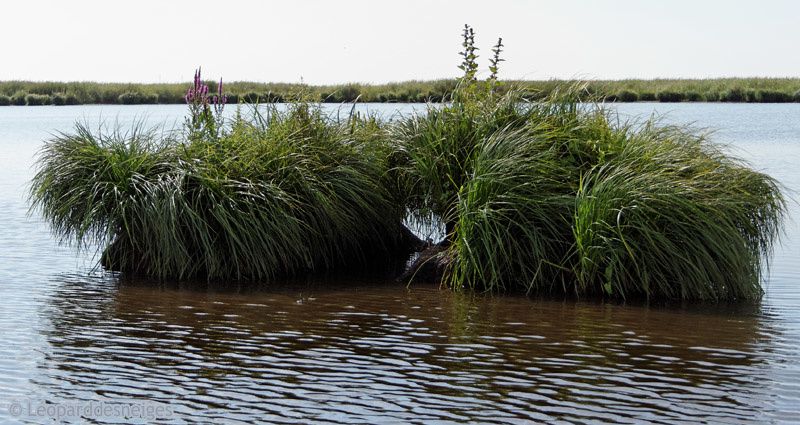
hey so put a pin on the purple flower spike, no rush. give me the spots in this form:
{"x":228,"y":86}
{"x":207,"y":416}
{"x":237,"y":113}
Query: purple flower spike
{"x":203,"y":116}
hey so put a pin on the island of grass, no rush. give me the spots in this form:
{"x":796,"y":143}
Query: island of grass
{"x":552,"y":196}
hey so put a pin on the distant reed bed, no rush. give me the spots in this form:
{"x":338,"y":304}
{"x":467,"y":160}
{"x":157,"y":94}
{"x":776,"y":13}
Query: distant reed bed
{"x":752,"y":90}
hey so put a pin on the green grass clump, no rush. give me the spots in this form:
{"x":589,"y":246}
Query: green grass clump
{"x":627,"y":96}
{"x":4,"y":100}
{"x":667,"y":215}
{"x":589,"y":208}
{"x":435,"y":148}
{"x":33,"y":99}
{"x":18,"y":98}
{"x":773,"y":96}
{"x":255,"y":98}
{"x":135,"y":98}
{"x":693,"y":96}
{"x":647,"y":97}
{"x":554,"y":197}
{"x":670,"y":96}
{"x":734,"y":95}
{"x":513,"y":215}
{"x":58,"y":99}
{"x":281,"y":194}
{"x":711,"y":96}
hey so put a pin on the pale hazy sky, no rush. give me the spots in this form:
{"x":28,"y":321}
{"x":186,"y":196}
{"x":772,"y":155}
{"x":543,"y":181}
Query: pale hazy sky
{"x":378,"y":41}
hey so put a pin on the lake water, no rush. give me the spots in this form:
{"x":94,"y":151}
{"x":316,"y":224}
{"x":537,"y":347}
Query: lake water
{"x":79,"y":345}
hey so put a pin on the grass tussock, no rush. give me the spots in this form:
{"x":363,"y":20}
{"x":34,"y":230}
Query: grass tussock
{"x":282,"y":193}
{"x":37,"y":99}
{"x":569,"y":203}
{"x":557,"y":196}
{"x":554,"y":195}
{"x":666,"y":214}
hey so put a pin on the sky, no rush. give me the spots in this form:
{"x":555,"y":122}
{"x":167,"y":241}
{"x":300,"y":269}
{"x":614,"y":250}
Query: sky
{"x":324,"y":42}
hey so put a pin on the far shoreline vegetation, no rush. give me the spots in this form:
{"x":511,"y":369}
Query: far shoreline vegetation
{"x":736,"y":90}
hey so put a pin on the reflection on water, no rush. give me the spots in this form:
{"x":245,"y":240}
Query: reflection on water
{"x":363,"y":353}
{"x":377,"y":352}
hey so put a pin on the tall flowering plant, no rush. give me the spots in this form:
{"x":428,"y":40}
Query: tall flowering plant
{"x":205,"y":110}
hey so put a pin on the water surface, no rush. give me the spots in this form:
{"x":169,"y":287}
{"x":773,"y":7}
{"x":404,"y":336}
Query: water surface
{"x":377,"y":352}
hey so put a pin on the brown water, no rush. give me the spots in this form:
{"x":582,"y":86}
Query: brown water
{"x":378,"y":352}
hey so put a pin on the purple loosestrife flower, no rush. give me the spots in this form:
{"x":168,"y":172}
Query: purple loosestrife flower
{"x":204,"y":120}
{"x":197,"y":95}
{"x":219,"y":100}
